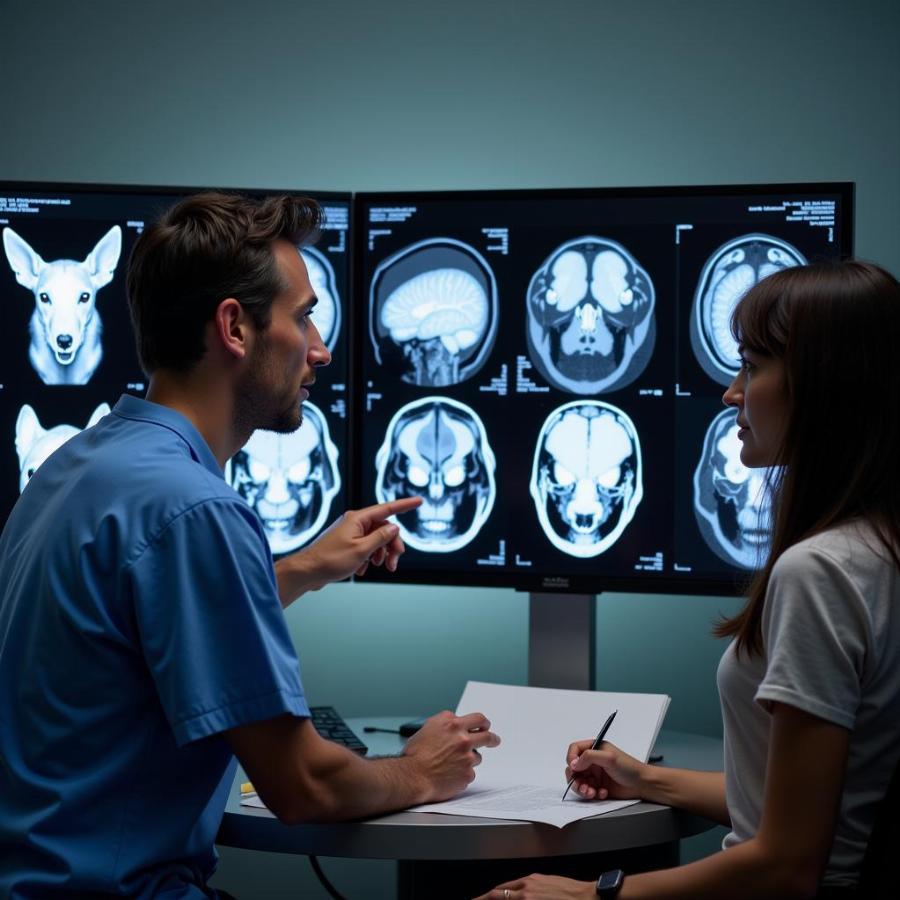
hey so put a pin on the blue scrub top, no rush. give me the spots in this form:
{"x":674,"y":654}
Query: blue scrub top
{"x":139,"y":618}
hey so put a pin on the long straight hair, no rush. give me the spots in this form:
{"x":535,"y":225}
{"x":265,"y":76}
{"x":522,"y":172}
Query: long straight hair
{"x":836,"y":328}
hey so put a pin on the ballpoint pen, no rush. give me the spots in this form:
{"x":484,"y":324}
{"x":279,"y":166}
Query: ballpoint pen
{"x":597,"y":742}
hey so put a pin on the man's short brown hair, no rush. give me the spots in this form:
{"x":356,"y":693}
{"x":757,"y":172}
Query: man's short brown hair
{"x":204,"y":249}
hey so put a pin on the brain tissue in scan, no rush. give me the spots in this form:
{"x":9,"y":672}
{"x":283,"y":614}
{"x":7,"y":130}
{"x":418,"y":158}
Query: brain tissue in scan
{"x":327,"y":313}
{"x":586,"y":479}
{"x":289,"y":480}
{"x":591,"y":326}
{"x":437,"y":449}
{"x":728,"y":274}
{"x":731,"y":502}
{"x":433,"y":312}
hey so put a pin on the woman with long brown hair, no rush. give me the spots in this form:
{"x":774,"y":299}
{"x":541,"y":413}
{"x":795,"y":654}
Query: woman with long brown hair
{"x":810,"y":683}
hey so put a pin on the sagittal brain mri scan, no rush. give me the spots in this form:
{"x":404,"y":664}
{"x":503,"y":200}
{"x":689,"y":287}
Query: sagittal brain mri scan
{"x":290,"y":480}
{"x":728,"y":274}
{"x":586,"y":479}
{"x":437,"y":449}
{"x":327,"y":313}
{"x":591,"y":326}
{"x":731,"y":502}
{"x":433,"y":312}
{"x":34,"y":442}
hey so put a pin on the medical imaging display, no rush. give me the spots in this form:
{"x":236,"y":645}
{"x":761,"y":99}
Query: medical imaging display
{"x":590,"y":317}
{"x":586,"y":481}
{"x":545,"y":369}
{"x":70,"y":350}
{"x":436,"y":448}
{"x":289,"y":480}
{"x":731,"y":502}
{"x":728,"y":274}
{"x":433,"y":312}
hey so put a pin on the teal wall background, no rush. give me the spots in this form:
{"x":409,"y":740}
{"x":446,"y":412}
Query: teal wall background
{"x":354,"y":95}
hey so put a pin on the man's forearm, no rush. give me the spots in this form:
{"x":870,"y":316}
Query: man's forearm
{"x":293,"y":577}
{"x":702,"y":793}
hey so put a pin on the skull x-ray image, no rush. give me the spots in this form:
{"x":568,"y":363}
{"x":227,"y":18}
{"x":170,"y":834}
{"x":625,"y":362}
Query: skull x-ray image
{"x":433,"y":312}
{"x":327,"y":313}
{"x":728,"y":274}
{"x":586,"y":480}
{"x":731,"y":502}
{"x":289,"y":480}
{"x":436,"y":448}
{"x":591,"y":326}
{"x":34,"y":443}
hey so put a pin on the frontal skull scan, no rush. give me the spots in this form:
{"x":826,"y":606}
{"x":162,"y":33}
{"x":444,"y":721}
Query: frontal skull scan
{"x":586,"y":480}
{"x":290,"y":480}
{"x":728,"y":274}
{"x":433,"y":312}
{"x":327,"y":312}
{"x":436,"y":448}
{"x":34,"y":443}
{"x":591,"y":326}
{"x":731,"y":502}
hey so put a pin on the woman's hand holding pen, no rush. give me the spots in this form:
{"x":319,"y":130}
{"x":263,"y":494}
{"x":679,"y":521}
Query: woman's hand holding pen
{"x":604,"y":774}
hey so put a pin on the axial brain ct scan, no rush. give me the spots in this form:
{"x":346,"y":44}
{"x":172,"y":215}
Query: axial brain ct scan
{"x":437,"y":448}
{"x":327,"y":313}
{"x":290,"y":480}
{"x":433,"y":308}
{"x":731,"y":502}
{"x":728,"y":274}
{"x":586,"y":479}
{"x":591,"y":326}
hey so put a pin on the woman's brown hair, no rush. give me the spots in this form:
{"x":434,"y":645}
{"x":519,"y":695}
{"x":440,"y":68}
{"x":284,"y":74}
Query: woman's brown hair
{"x":836,"y":328}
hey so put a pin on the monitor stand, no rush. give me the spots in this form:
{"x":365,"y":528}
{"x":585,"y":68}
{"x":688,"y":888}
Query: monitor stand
{"x":561,"y":641}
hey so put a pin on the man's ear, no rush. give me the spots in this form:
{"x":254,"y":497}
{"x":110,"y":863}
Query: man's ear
{"x":232,"y":328}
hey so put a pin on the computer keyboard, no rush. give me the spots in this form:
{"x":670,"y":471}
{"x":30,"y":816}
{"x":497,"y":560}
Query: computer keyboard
{"x":331,"y":726}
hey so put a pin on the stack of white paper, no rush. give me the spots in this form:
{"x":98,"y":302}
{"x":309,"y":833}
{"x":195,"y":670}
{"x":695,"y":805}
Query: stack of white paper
{"x":524,"y":778}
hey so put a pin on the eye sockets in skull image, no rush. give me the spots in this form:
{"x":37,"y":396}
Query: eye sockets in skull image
{"x":433,"y":312}
{"x":728,"y":274}
{"x":591,"y":325}
{"x":327,"y":312}
{"x":436,"y":448}
{"x":289,"y":480}
{"x":587,"y":476}
{"x":731,"y":502}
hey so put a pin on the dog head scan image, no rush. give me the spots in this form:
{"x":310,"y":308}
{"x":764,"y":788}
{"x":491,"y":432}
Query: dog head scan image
{"x":436,"y":448}
{"x":590,"y":326}
{"x":586,"y":479}
{"x":65,"y":326}
{"x":433,"y":312}
{"x":34,"y":442}
{"x":727,"y":275}
{"x":731,"y":502}
{"x":327,"y":312}
{"x":289,"y":480}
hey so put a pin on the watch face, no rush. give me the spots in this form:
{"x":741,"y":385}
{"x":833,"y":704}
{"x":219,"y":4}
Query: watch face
{"x":609,"y":883}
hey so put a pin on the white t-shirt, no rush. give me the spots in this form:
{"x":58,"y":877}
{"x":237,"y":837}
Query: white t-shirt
{"x":831,"y":639}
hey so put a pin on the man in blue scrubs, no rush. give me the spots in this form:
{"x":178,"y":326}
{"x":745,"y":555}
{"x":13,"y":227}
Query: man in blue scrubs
{"x":142,"y":640}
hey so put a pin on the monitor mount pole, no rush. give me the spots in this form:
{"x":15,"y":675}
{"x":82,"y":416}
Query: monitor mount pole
{"x":561,"y":637}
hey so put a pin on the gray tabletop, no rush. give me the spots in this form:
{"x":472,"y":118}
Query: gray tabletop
{"x":421,"y":836}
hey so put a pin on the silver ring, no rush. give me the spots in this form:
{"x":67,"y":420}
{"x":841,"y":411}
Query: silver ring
{"x":505,"y":893}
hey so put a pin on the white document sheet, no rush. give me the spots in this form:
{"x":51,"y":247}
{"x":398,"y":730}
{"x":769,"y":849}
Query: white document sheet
{"x":524,"y":778}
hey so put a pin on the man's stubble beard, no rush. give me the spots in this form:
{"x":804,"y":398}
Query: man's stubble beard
{"x":256,"y":407}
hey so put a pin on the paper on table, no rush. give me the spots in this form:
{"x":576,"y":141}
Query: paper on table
{"x":524,"y":778}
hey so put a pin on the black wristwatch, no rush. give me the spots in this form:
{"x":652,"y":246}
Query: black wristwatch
{"x":609,"y":883}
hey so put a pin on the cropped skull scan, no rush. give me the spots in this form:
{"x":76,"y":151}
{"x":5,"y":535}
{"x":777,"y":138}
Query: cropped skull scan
{"x":591,"y":326}
{"x":437,"y":449}
{"x":728,"y":274}
{"x":731,"y":502}
{"x":433,"y":312}
{"x":586,"y":479}
{"x":327,"y":312}
{"x":289,"y":480}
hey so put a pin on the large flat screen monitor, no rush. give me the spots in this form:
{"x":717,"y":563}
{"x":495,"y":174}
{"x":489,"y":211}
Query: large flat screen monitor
{"x":69,"y":350}
{"x":545,"y":369}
